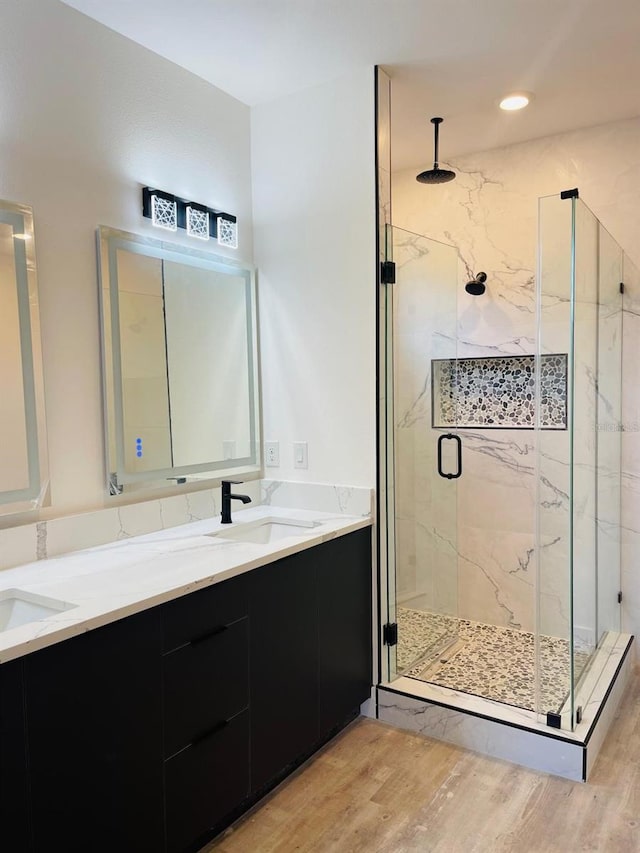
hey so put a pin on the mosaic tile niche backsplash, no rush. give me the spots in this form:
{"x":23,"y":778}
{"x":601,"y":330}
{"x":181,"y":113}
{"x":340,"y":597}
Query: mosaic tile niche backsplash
{"x":499,"y":392}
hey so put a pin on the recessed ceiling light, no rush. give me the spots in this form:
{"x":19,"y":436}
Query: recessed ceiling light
{"x":515,"y":101}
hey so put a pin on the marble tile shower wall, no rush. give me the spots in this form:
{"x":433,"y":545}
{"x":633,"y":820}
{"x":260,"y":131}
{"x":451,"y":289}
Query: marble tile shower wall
{"x":463,"y":546}
{"x":477,"y":545}
{"x":45,"y":539}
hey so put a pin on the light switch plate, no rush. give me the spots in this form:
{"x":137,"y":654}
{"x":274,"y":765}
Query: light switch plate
{"x":300,"y":454}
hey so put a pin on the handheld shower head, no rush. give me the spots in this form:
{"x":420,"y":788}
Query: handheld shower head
{"x":476,"y":287}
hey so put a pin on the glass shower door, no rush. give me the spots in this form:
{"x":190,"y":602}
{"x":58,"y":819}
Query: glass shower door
{"x":578,"y":513}
{"x":608,"y":406}
{"x":425,"y":458}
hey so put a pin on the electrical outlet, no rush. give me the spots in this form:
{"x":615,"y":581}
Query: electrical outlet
{"x":229,"y":449}
{"x":272,"y":454}
{"x":300,"y":454}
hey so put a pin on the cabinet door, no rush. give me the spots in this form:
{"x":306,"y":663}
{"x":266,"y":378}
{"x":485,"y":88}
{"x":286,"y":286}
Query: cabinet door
{"x":284,"y":665}
{"x":206,"y":716}
{"x":94,"y":729}
{"x":344,"y":627}
{"x":205,"y":783}
{"x":204,"y":613}
{"x":14,"y":808}
{"x":205,"y":683}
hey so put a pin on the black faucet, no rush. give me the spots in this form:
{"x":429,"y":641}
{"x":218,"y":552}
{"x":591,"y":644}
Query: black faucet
{"x":227,"y":497}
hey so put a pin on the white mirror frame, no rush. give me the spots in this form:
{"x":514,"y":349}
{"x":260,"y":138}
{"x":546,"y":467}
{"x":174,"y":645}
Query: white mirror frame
{"x":109,"y":241}
{"x":36,"y":493}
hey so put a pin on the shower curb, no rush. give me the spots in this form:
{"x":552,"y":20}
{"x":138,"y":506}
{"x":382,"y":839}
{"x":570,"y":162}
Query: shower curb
{"x":507,"y":733}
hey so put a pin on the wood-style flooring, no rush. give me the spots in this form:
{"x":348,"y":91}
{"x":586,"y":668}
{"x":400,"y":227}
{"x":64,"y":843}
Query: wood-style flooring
{"x":380,"y":790}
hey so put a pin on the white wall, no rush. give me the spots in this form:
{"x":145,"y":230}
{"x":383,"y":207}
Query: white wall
{"x":314,"y":231}
{"x":86,"y":118}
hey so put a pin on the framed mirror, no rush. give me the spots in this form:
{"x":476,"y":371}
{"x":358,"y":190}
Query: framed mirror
{"x":180,"y":363}
{"x":23,"y":445}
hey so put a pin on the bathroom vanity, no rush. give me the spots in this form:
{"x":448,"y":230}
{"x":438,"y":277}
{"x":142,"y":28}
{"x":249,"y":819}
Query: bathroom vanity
{"x":154,"y":688}
{"x":153,"y":724}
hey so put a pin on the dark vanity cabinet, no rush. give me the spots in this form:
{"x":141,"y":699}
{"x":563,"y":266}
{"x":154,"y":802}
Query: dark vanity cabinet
{"x":94,"y":733}
{"x":311,"y":651}
{"x":15,"y":829}
{"x":284,"y":655}
{"x":206,"y":709}
{"x":345,"y":653}
{"x":153,"y":732}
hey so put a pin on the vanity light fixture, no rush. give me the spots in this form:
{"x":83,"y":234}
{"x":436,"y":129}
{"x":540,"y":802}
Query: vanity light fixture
{"x":170,"y":212}
{"x":197,"y":221}
{"x":227,"y":232}
{"x":164,"y":211}
{"x":515,"y":101}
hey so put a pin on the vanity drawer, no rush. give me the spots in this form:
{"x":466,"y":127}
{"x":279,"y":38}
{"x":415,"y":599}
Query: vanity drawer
{"x":206,"y":782}
{"x":201,"y":613}
{"x":205,"y":682}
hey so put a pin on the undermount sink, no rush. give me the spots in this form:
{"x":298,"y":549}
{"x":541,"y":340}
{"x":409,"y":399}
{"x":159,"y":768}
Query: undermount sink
{"x":18,"y":607}
{"x":267,"y":530}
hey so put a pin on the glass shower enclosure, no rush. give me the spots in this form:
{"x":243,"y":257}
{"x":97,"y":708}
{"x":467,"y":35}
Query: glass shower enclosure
{"x":503,"y":469}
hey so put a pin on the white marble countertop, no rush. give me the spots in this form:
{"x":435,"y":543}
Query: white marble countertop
{"x":125,"y":577}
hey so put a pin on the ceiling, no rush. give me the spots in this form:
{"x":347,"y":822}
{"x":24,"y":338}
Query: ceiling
{"x":453,"y":58}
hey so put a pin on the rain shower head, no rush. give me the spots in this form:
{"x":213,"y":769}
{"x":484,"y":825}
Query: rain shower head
{"x":476,"y":287}
{"x":435,"y":175}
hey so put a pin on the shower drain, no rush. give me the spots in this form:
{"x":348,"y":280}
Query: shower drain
{"x":441,"y":652}
{"x":451,"y":651}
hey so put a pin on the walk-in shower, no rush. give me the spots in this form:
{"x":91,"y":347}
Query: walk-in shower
{"x":503,"y":470}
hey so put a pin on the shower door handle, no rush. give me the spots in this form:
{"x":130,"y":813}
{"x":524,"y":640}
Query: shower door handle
{"x":449,"y":437}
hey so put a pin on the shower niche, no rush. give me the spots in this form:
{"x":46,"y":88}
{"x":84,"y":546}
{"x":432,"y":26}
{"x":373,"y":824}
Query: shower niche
{"x":497,"y":392}
{"x":503,"y":579}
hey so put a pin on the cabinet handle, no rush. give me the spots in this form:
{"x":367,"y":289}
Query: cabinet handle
{"x":203,"y":637}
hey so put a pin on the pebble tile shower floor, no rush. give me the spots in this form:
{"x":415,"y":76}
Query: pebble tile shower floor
{"x":485,"y":660}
